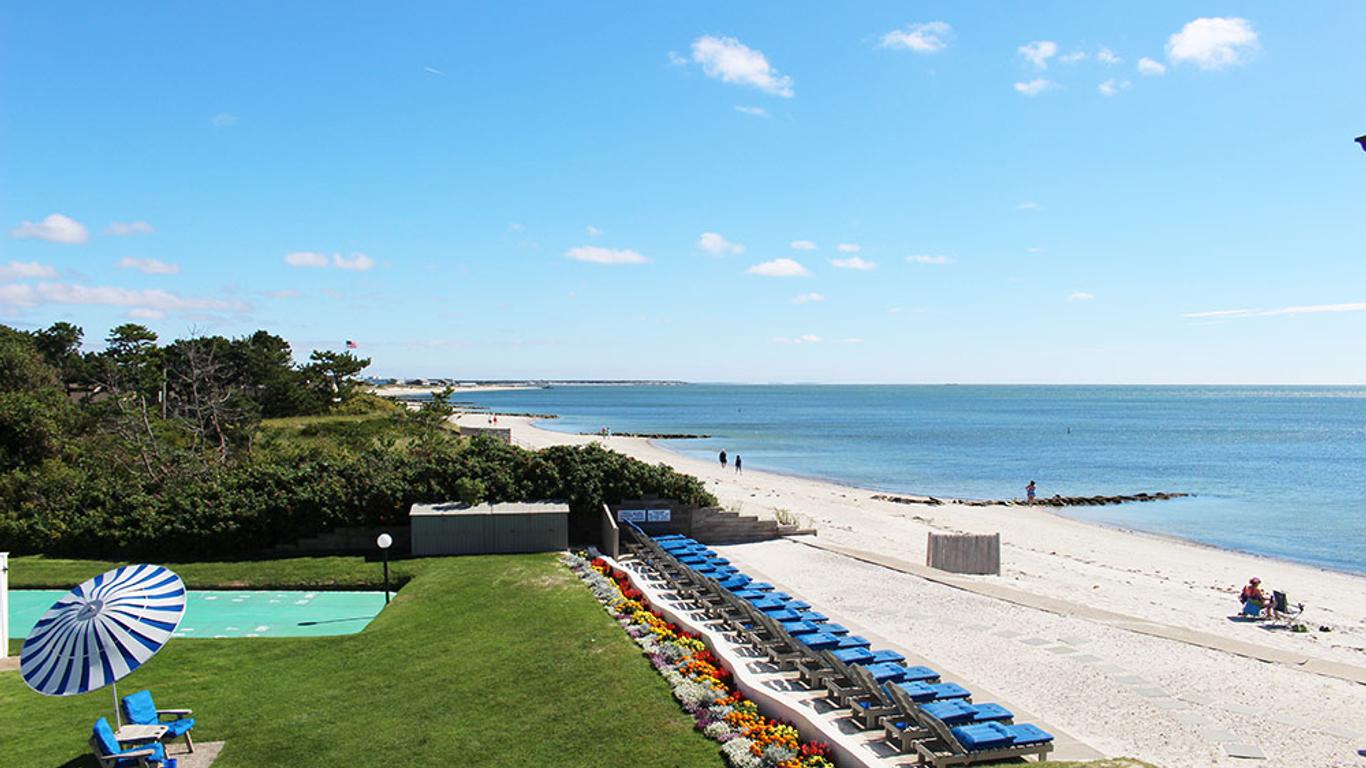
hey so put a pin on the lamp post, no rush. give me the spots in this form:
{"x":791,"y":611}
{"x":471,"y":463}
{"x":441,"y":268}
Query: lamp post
{"x":384,"y":542}
{"x":4,"y":605}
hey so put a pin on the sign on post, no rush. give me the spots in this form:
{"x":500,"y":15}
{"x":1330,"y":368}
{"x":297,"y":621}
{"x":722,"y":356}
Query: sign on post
{"x":658,"y":515}
{"x":631,"y":515}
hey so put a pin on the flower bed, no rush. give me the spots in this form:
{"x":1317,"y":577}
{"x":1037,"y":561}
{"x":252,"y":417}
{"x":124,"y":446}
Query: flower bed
{"x":699,"y":681}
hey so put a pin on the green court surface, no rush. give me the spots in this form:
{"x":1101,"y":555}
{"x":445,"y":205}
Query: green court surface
{"x":250,"y":613}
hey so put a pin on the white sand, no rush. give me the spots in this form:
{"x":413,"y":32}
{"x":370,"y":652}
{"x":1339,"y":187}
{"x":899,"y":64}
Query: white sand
{"x":1295,"y":717}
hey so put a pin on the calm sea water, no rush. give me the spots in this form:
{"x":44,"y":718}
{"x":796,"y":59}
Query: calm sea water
{"x":1279,"y":471}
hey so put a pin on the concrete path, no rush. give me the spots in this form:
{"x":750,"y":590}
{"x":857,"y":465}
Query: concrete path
{"x":1109,"y":618}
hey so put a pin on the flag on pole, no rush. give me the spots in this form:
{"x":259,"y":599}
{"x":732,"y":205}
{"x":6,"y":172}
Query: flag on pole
{"x":351,"y":344}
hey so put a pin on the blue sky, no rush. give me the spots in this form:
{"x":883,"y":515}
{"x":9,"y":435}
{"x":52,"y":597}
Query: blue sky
{"x":1052,"y":192}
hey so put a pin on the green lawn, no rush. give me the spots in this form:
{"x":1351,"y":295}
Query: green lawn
{"x":38,"y":571}
{"x":491,"y":661}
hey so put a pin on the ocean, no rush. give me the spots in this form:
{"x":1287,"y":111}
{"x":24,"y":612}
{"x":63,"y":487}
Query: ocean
{"x":1278,"y":471}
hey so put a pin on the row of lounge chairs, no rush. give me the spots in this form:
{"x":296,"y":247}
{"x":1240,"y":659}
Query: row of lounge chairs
{"x":918,"y":713}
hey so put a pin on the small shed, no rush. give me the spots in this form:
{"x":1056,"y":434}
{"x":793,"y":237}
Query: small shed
{"x":482,"y":529}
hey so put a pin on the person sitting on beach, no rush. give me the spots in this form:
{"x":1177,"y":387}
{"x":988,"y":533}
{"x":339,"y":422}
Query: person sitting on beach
{"x":1255,"y":600}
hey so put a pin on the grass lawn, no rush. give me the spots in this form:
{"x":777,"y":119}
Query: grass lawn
{"x":39,"y":571}
{"x":495,"y":661}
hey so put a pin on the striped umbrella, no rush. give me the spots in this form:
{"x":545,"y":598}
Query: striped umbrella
{"x":102,"y":630}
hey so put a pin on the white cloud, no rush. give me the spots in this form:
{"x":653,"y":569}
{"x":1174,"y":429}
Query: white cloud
{"x":854,"y":262}
{"x":778,"y":268}
{"x":1034,"y":249}
{"x":596,"y":255}
{"x":127,"y":228}
{"x":717,"y":245}
{"x":928,"y":259}
{"x":1311,"y":309}
{"x":802,"y":245}
{"x":926,"y":37}
{"x":853,"y":340}
{"x":1213,"y":42}
{"x":1073,"y":57}
{"x":287,"y":293}
{"x":752,"y":111}
{"x":223,"y":120}
{"x":56,"y":228}
{"x":24,"y":270}
{"x":807,"y":298}
{"x":142,"y":313}
{"x":306,"y":259}
{"x":1035,"y":87}
{"x":592,"y":231}
{"x":1039,"y":52}
{"x":21,"y":295}
{"x":149,"y":266}
{"x":1081,"y":296}
{"x":806,"y":338}
{"x":1151,"y":67}
{"x":1028,"y":205}
{"x":1107,"y":56}
{"x":358,"y":262}
{"x":731,"y":61}
{"x":434,"y":71}
{"x":677,"y":60}
{"x":848,"y":247}
{"x":1112,"y":86}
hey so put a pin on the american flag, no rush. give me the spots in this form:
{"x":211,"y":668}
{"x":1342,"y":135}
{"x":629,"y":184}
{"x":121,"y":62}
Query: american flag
{"x":351,"y":344}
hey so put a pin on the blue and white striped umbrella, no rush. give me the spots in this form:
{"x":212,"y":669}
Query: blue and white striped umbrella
{"x":102,"y":630}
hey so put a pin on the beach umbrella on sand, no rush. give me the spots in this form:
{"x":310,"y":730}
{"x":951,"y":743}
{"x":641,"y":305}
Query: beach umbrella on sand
{"x":102,"y":630}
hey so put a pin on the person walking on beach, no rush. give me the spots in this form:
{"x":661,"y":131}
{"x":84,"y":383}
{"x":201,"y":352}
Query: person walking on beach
{"x":1029,"y":493}
{"x":723,"y":459}
{"x":737,"y":463}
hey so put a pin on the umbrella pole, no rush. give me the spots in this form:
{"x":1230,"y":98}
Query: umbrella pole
{"x":117,"y":718}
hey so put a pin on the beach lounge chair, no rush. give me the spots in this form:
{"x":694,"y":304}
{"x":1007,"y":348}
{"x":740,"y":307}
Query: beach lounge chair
{"x":109,"y":753}
{"x":1284,"y":610}
{"x":911,"y":722}
{"x":139,"y":709}
{"x":980,"y":743}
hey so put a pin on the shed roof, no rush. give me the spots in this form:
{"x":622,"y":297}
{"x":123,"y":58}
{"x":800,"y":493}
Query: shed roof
{"x":449,"y":509}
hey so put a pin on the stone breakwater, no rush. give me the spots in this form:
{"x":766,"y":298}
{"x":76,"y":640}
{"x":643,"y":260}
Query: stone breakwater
{"x":1051,"y":501}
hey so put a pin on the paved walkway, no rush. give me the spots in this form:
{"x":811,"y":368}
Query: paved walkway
{"x":1109,"y":618}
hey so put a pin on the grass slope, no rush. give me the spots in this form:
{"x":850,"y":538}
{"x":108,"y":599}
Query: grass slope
{"x":490,"y":661}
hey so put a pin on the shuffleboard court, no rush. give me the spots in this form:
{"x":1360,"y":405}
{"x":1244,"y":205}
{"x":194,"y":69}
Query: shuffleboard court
{"x":248,"y":613}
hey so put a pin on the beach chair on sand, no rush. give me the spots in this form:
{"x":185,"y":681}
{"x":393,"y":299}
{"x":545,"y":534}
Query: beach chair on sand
{"x":981,"y":743}
{"x":872,"y":702}
{"x":109,"y":753}
{"x":1285,"y":611}
{"x":910,"y":723}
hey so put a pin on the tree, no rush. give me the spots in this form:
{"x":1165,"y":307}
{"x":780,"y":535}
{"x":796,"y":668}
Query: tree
{"x":434,"y":412}
{"x":269,"y":374}
{"x":207,"y":395}
{"x":34,"y":411}
{"x":334,"y":373}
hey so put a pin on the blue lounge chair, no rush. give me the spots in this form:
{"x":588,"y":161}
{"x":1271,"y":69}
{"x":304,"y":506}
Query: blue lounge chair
{"x":983,"y":743}
{"x":139,"y":709}
{"x":915,"y":722}
{"x":110,"y":754}
{"x":921,"y":692}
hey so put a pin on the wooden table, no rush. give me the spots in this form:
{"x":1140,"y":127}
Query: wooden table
{"x":129,"y":733}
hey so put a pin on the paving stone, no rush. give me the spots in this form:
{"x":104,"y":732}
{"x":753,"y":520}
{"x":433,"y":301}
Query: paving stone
{"x":1344,"y":733}
{"x":1131,"y":680}
{"x":1238,"y":709}
{"x":977,"y":627}
{"x":1219,"y":734}
{"x":1008,"y":634}
{"x":1036,"y":641}
{"x":1061,"y":649}
{"x":1195,"y":697}
{"x":1110,"y":669}
{"x":1190,"y":718}
{"x":1167,"y":704}
{"x":1245,"y":751}
{"x":1152,"y":693}
{"x":1086,"y":658}
{"x":1075,"y":640}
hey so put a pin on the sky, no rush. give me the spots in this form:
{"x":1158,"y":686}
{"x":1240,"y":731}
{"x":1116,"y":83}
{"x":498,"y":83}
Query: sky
{"x":881,"y":192}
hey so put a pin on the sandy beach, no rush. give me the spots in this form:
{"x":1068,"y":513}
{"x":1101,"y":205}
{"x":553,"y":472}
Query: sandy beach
{"x":1121,"y":638}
